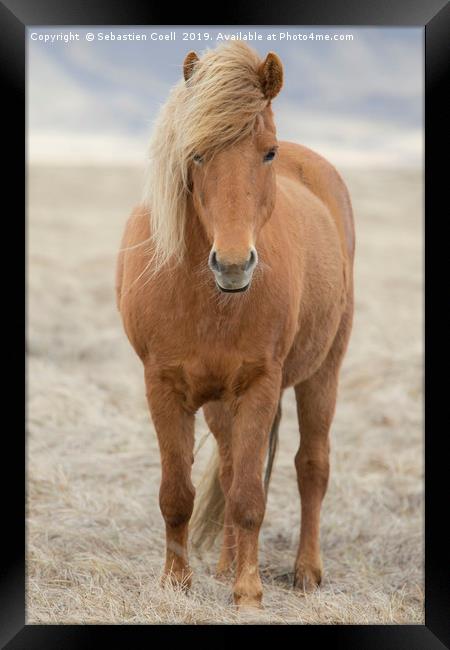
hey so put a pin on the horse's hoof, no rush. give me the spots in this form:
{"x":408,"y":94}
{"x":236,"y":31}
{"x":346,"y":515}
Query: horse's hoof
{"x":307,"y":578}
{"x":223,"y":577}
{"x":245,"y":603}
{"x":224,"y":573}
{"x":178,"y":580}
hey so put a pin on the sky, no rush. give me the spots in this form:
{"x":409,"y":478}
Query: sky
{"x":357,"y":102}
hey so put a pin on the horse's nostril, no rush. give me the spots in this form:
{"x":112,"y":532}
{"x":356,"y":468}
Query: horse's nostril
{"x":213,"y":261}
{"x":251,"y":260}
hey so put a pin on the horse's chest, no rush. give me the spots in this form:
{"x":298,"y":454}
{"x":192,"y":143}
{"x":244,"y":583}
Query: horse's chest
{"x":197,"y":381}
{"x":209,"y":333}
{"x":214,"y":353}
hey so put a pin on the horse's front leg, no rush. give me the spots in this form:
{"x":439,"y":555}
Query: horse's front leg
{"x":254,"y":416}
{"x":175,"y":430}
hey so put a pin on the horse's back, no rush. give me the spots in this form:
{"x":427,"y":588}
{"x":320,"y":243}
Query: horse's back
{"x":308,"y":167}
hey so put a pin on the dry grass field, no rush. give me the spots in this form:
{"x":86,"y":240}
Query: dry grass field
{"x":95,"y":536}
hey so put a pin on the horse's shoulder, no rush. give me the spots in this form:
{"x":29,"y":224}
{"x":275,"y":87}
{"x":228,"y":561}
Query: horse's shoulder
{"x":136,"y":230}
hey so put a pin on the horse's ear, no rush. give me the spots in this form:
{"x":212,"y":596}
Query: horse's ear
{"x":271,"y":75}
{"x":188,"y":65}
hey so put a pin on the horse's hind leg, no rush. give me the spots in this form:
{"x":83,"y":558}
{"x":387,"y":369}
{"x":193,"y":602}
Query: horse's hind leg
{"x":219,"y":419}
{"x":316,"y":401}
{"x":175,"y":430}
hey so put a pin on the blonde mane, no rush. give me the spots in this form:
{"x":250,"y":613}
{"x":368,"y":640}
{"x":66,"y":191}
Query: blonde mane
{"x":216,"y":107}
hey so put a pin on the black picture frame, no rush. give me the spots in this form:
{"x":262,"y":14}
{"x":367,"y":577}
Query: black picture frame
{"x":434,"y":16}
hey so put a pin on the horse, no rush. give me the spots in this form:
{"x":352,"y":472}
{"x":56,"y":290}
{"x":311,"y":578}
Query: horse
{"x":235,"y":282}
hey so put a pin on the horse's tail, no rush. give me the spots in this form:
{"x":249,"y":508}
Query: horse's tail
{"x":273,"y":446}
{"x":208,"y":517}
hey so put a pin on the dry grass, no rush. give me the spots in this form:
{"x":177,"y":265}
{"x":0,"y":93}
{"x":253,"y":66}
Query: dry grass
{"x":95,"y":534}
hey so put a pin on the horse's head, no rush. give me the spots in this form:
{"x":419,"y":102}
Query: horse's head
{"x":234,"y":191}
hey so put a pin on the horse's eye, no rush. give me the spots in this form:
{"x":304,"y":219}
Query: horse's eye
{"x":197,"y":159}
{"x":270,"y":155}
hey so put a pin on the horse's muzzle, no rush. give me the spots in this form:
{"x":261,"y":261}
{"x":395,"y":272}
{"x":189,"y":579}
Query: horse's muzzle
{"x":236,"y":277}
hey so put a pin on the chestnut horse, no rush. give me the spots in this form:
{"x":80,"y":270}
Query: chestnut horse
{"x":234,"y":282}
